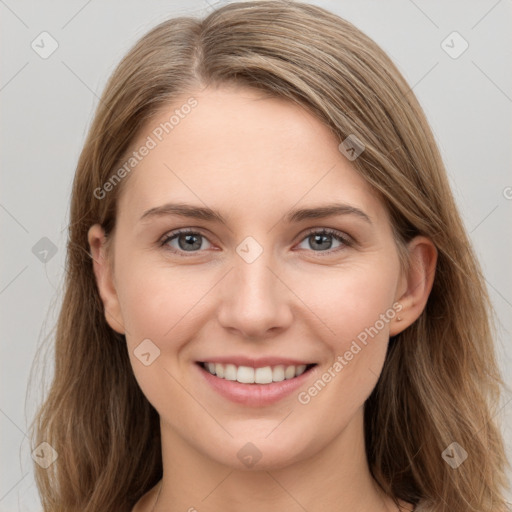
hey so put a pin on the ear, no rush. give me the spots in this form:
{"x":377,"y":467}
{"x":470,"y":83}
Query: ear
{"x":416,"y":284}
{"x":104,"y":278}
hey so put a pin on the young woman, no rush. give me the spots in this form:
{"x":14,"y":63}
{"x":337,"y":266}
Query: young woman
{"x":271,"y":302}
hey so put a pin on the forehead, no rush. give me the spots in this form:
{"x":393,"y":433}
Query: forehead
{"x":241,"y":152}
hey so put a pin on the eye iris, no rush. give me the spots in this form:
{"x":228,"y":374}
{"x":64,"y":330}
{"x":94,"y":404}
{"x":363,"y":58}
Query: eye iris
{"x":319,"y":239}
{"x":192,"y":242}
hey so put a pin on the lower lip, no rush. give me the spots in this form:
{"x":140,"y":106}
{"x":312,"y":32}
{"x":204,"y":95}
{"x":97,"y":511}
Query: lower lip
{"x":255,"y":395}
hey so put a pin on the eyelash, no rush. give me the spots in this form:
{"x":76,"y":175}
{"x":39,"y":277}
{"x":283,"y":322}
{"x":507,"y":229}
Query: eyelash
{"x":344,"y":239}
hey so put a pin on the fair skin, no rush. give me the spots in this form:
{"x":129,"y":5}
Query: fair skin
{"x":254,"y":160}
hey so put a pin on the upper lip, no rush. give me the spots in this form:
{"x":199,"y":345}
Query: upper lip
{"x":259,"y":362}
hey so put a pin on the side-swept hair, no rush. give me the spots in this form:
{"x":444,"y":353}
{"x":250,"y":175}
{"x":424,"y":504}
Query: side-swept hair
{"x":440,"y":382}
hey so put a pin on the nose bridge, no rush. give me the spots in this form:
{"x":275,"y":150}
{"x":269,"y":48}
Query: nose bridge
{"x":253,"y":280}
{"x":254,"y":298}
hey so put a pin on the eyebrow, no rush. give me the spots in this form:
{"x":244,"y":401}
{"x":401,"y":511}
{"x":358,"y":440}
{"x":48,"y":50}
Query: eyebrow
{"x":297,"y":215}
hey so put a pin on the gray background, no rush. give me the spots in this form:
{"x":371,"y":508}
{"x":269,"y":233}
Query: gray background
{"x":47,"y":106}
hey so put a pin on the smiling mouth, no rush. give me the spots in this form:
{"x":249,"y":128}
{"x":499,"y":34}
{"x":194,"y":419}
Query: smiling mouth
{"x":250,"y":375}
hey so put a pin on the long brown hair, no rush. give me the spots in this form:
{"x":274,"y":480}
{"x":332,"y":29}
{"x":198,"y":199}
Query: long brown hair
{"x":440,"y":382}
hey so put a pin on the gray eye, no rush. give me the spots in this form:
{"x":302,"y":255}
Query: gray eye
{"x":321,"y":241}
{"x":188,"y":242}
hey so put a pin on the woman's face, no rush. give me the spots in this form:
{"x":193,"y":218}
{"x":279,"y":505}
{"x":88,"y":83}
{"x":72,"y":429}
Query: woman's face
{"x":256,"y":279}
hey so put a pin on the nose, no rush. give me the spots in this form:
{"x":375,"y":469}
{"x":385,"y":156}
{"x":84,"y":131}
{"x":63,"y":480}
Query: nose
{"x":255,"y":299}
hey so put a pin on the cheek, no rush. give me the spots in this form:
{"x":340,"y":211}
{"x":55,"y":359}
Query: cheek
{"x":351,"y":299}
{"x":157,"y":300}
{"x":160,"y":304}
{"x":356,"y":306}
{"x":337,"y":305}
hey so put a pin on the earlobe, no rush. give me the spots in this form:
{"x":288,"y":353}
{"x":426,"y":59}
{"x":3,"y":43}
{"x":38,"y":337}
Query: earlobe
{"x":418,"y":283}
{"x":104,"y":278}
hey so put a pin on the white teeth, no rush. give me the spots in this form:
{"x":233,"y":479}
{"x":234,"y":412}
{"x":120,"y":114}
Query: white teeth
{"x":230,"y":372}
{"x":300,"y":370}
{"x":263,"y":375}
{"x":244,"y":375}
{"x":249,"y":375}
{"x":278,"y":373}
{"x":289,"y":373}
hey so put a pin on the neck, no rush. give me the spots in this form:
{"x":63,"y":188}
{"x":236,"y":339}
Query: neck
{"x":335,"y":477}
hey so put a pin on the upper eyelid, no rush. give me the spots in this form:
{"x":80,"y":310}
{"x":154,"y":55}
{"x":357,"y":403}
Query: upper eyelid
{"x":345,"y":237}
{"x":178,"y":231}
